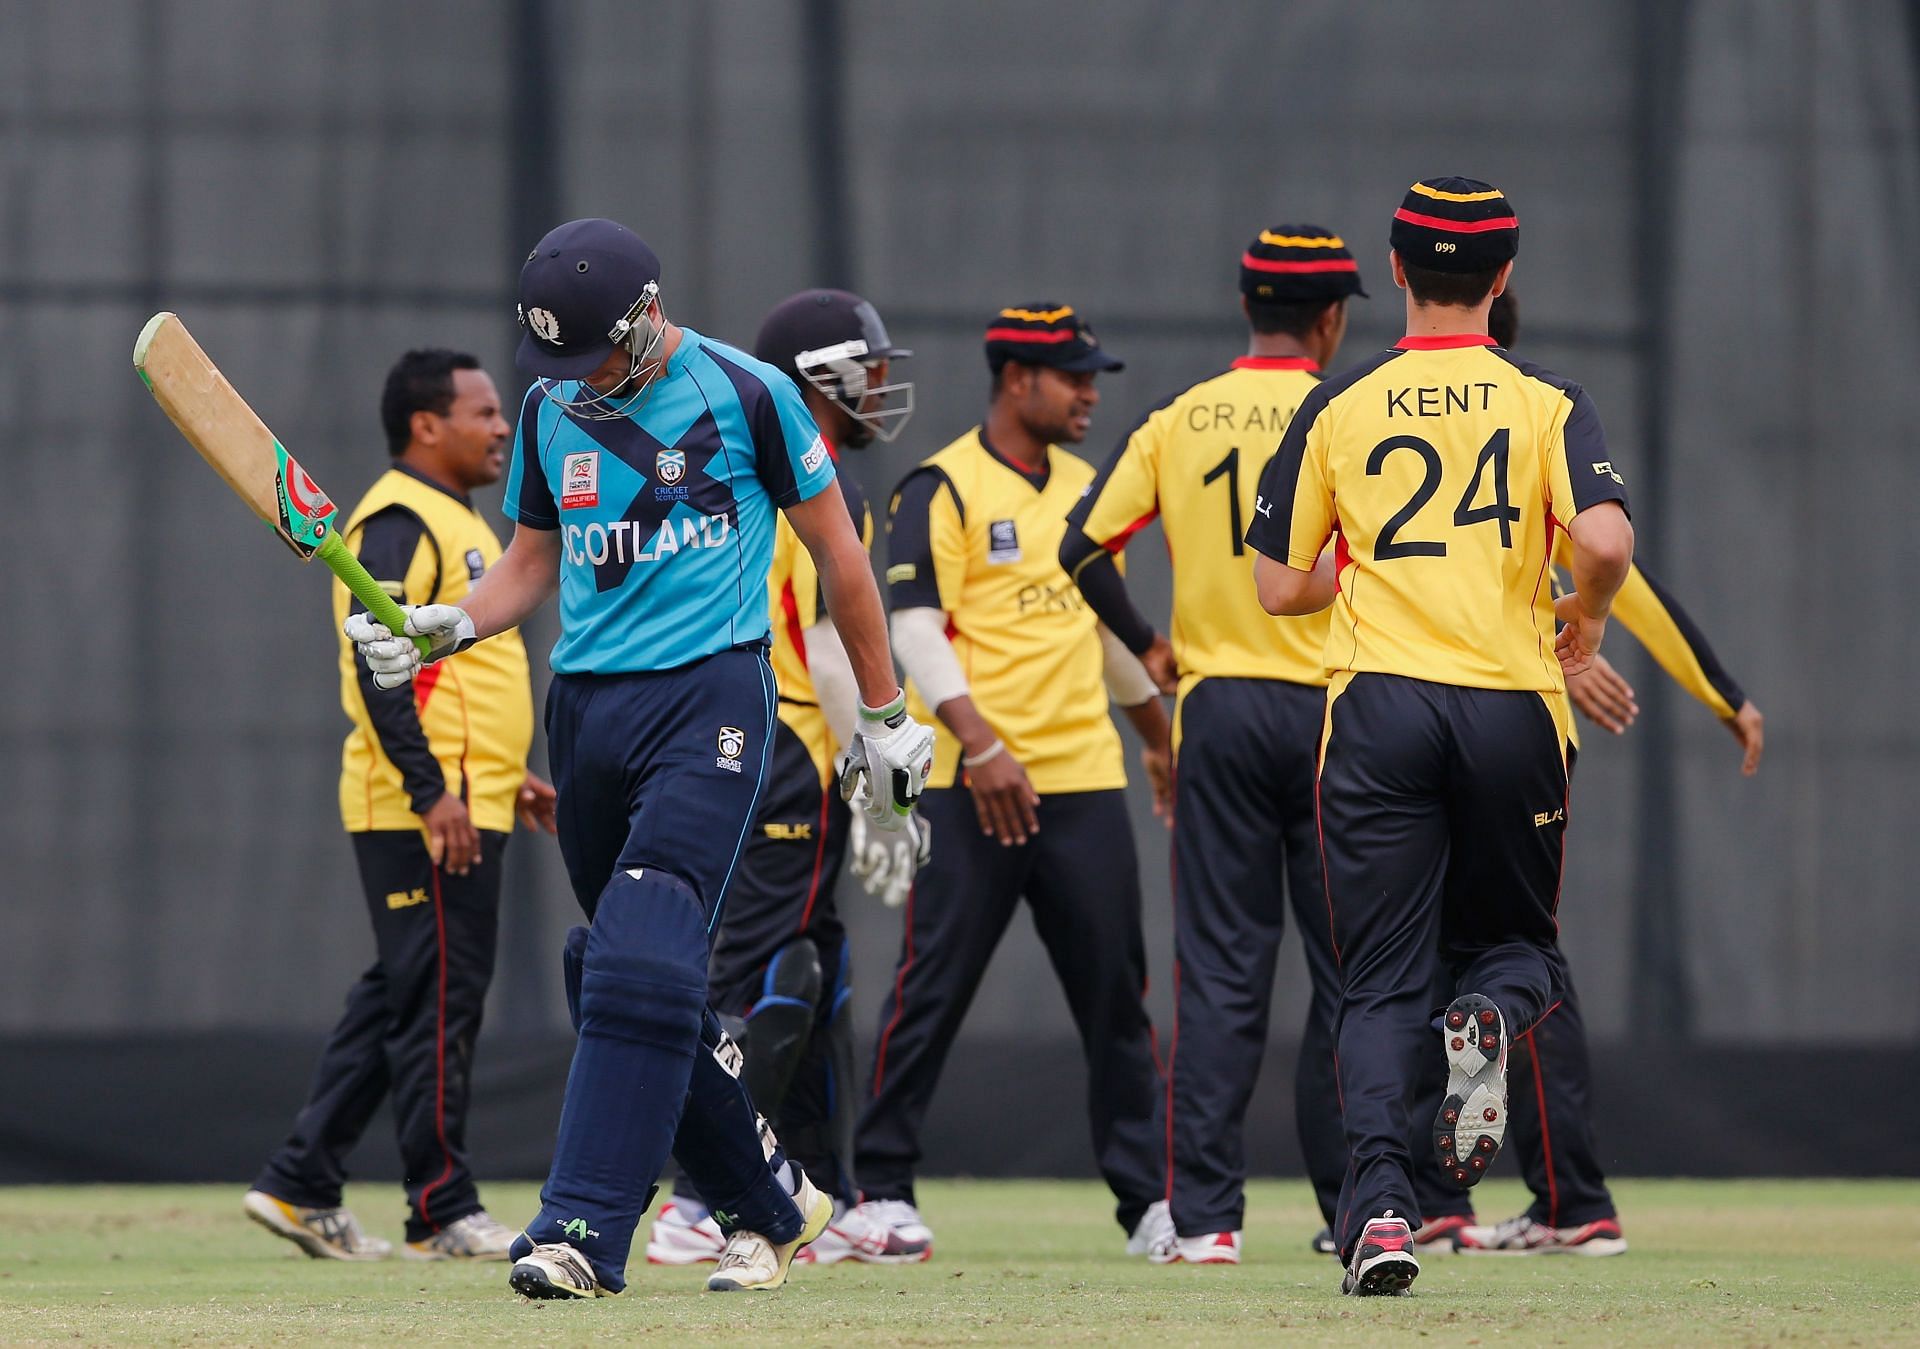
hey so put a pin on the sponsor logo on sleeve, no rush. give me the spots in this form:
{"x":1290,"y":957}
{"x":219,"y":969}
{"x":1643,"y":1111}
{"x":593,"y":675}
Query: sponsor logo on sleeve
{"x":901,"y":571}
{"x":1604,"y":469}
{"x":476,"y":564}
{"x":1003,"y":542}
{"x":580,"y":480}
{"x":815,"y":456}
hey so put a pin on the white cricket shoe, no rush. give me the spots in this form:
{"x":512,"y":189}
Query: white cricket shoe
{"x":903,"y":1218}
{"x":853,"y":1235}
{"x":323,"y":1233}
{"x":556,"y":1270}
{"x":478,"y":1236}
{"x":680,"y":1238}
{"x":1212,"y":1248}
{"x":751,"y":1263}
{"x":1154,"y":1230}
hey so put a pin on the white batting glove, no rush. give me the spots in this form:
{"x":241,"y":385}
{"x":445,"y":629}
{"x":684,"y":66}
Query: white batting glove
{"x":884,"y":864}
{"x":885,"y":768}
{"x":395,"y":660}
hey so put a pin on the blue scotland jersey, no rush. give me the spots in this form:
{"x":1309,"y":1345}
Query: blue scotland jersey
{"x":666,"y":518}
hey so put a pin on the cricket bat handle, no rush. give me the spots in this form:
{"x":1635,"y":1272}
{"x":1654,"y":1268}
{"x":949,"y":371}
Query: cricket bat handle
{"x":341,"y":561}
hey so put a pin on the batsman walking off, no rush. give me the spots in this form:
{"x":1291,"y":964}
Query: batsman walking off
{"x":648,"y":465}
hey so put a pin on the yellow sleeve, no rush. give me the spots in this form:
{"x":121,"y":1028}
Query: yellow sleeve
{"x":1125,"y":496}
{"x":1671,"y":639}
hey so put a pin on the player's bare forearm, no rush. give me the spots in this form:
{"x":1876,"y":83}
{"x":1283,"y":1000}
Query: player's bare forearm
{"x":524,"y":578}
{"x":1602,"y":538}
{"x":974,"y":732}
{"x":846,"y":580}
{"x":1286,"y":590}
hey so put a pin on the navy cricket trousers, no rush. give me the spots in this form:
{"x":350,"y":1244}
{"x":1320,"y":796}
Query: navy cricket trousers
{"x":658,"y":775}
{"x":1246,"y":848}
{"x":1443,"y":813}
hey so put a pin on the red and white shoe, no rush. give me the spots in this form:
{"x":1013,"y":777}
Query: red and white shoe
{"x":1524,"y":1236}
{"x":1213,"y":1248}
{"x":1383,"y":1264}
{"x":1439,"y":1236}
{"x":679,"y":1237}
{"x":853,"y":1234}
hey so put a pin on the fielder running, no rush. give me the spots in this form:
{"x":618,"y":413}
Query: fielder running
{"x":1444,"y":467}
{"x":648,"y":465}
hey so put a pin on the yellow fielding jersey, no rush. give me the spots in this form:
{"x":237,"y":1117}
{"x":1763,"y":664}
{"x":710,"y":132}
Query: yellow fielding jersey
{"x":973,"y":534}
{"x":471,"y":714}
{"x":1442,"y":469}
{"x":793,"y":595}
{"x":1195,"y":462}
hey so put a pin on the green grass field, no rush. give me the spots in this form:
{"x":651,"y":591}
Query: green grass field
{"x":1762,"y":1262}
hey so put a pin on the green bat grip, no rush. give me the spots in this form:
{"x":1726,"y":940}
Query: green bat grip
{"x":341,"y":561}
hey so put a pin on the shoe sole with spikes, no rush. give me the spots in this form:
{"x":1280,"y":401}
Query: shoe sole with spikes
{"x":1472,"y":1123}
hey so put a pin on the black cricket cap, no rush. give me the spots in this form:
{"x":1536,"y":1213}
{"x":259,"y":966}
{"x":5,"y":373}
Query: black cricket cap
{"x":821,"y":320}
{"x":1045,"y":333}
{"x":1455,"y":225}
{"x":578,"y":282}
{"x":1298,"y":264}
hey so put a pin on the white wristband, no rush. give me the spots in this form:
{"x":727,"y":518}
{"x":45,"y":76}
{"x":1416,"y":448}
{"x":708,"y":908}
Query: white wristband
{"x":992,"y":751}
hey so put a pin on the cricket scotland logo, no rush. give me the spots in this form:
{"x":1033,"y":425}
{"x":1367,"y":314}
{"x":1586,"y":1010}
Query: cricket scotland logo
{"x":670,"y":466}
{"x":733,"y":742}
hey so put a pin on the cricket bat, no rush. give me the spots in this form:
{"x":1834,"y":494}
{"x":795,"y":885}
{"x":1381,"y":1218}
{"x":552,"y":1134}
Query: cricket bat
{"x":238,"y":446}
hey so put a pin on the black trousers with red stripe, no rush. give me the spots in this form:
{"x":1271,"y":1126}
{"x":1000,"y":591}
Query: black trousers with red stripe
{"x":407,"y":1032}
{"x":1442,"y":816}
{"x":1246,"y":848}
{"x":1080,"y":878}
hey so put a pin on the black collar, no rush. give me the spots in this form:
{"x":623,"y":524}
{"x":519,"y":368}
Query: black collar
{"x":418,"y":476}
{"x":1036,"y":480}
